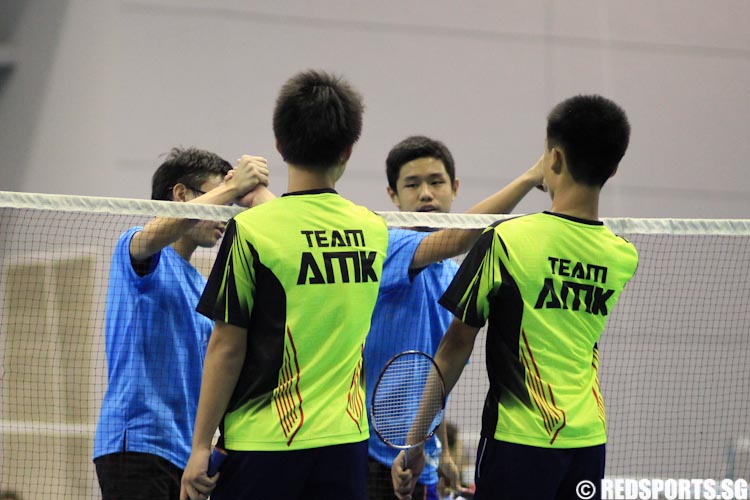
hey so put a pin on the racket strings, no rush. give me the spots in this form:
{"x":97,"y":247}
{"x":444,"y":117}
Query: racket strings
{"x":397,"y":399}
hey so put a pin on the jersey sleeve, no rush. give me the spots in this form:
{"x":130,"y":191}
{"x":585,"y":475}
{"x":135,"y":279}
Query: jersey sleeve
{"x":477,"y":280}
{"x":122,"y":263}
{"x":229,"y":293}
{"x":402,"y":245}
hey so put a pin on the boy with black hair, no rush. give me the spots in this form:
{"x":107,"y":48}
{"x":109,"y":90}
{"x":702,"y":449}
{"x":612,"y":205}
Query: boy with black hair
{"x":547,"y":283}
{"x":292,"y":293}
{"x":418,"y":268}
{"x":155,"y":341}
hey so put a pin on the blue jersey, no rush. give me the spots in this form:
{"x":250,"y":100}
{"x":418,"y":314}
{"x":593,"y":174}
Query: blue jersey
{"x":155,"y":344}
{"x":406,"y":316}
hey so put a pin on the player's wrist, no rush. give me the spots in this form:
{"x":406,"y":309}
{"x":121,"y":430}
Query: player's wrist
{"x":202,"y":444}
{"x":233,"y":190}
{"x":530,"y":178}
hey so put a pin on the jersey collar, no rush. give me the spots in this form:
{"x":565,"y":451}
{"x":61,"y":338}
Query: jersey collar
{"x":311,"y":191}
{"x":576,"y":219}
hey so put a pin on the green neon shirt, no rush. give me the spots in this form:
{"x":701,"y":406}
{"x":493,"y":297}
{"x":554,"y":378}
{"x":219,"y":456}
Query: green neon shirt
{"x":301,"y":273}
{"x":547,"y":284}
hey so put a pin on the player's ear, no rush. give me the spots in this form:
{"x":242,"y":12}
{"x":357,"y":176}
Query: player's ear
{"x":179,"y":192}
{"x":394,"y":197}
{"x":345,"y":155}
{"x":456,"y":183}
{"x":558,"y":159}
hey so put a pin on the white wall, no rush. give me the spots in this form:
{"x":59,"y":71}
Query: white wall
{"x":102,"y":88}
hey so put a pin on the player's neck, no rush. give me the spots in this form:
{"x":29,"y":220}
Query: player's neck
{"x":184,"y":248}
{"x":577,"y":201}
{"x":306,"y":179}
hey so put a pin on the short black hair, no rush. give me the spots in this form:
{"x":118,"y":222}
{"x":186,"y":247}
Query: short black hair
{"x":188,"y":166}
{"x":412,"y":148}
{"x":593,"y":132}
{"x":317,"y":117}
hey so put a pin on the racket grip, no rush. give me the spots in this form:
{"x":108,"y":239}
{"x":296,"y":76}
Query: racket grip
{"x":215,"y":461}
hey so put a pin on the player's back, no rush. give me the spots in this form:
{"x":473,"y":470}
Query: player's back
{"x":547,"y":283}
{"x":312,"y":263}
{"x":569,"y":273}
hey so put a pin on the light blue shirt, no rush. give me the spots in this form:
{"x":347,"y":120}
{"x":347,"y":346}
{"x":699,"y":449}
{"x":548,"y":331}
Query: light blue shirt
{"x":406,"y":316}
{"x":155,"y":345}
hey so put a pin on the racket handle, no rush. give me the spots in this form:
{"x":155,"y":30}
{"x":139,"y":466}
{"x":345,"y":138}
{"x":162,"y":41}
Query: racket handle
{"x":215,"y":461}
{"x":406,"y":458}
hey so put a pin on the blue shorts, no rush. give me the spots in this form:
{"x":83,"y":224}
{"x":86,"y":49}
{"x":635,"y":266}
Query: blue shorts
{"x":318,"y":473}
{"x":519,"y":472}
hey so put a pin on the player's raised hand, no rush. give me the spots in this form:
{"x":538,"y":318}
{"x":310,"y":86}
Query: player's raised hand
{"x":250,"y":172}
{"x":537,"y":173}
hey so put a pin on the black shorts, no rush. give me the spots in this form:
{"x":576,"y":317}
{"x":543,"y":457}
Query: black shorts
{"x":315,"y":474}
{"x":137,"y":476}
{"x":518,"y":472}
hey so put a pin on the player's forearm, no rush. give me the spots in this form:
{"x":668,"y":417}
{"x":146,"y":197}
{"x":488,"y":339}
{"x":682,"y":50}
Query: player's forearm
{"x":224,"y":194}
{"x":454,"y":352}
{"x":505,"y":200}
{"x":451,"y":357}
{"x":442,"y":434}
{"x":221,"y":370}
{"x":157,"y":234}
{"x":449,"y":243}
{"x":163,"y":231}
{"x":442,"y":245}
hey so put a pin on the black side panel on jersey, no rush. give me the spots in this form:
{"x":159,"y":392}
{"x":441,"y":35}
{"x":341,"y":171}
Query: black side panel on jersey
{"x":504,"y":368}
{"x":265,"y":338}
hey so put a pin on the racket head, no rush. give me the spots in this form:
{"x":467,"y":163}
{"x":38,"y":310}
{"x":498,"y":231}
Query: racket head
{"x":397,"y":397}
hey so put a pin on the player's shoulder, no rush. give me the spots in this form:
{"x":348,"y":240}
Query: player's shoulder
{"x":512,"y":224}
{"x":625,"y":247}
{"x":398,"y":235}
{"x":128,"y":233}
{"x":248,"y":216}
{"x":123,"y":242}
{"x":286,"y":210}
{"x":624,"y":241}
{"x":258,"y":210}
{"x":362,"y":217}
{"x":368,"y":213}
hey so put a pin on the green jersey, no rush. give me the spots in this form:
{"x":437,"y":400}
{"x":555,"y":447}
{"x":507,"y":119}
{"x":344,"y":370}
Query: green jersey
{"x":546,"y":283}
{"x":301,"y":273}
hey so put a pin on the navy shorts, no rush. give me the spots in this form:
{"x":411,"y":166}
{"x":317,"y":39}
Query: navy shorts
{"x":519,"y":472}
{"x":318,"y":473}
